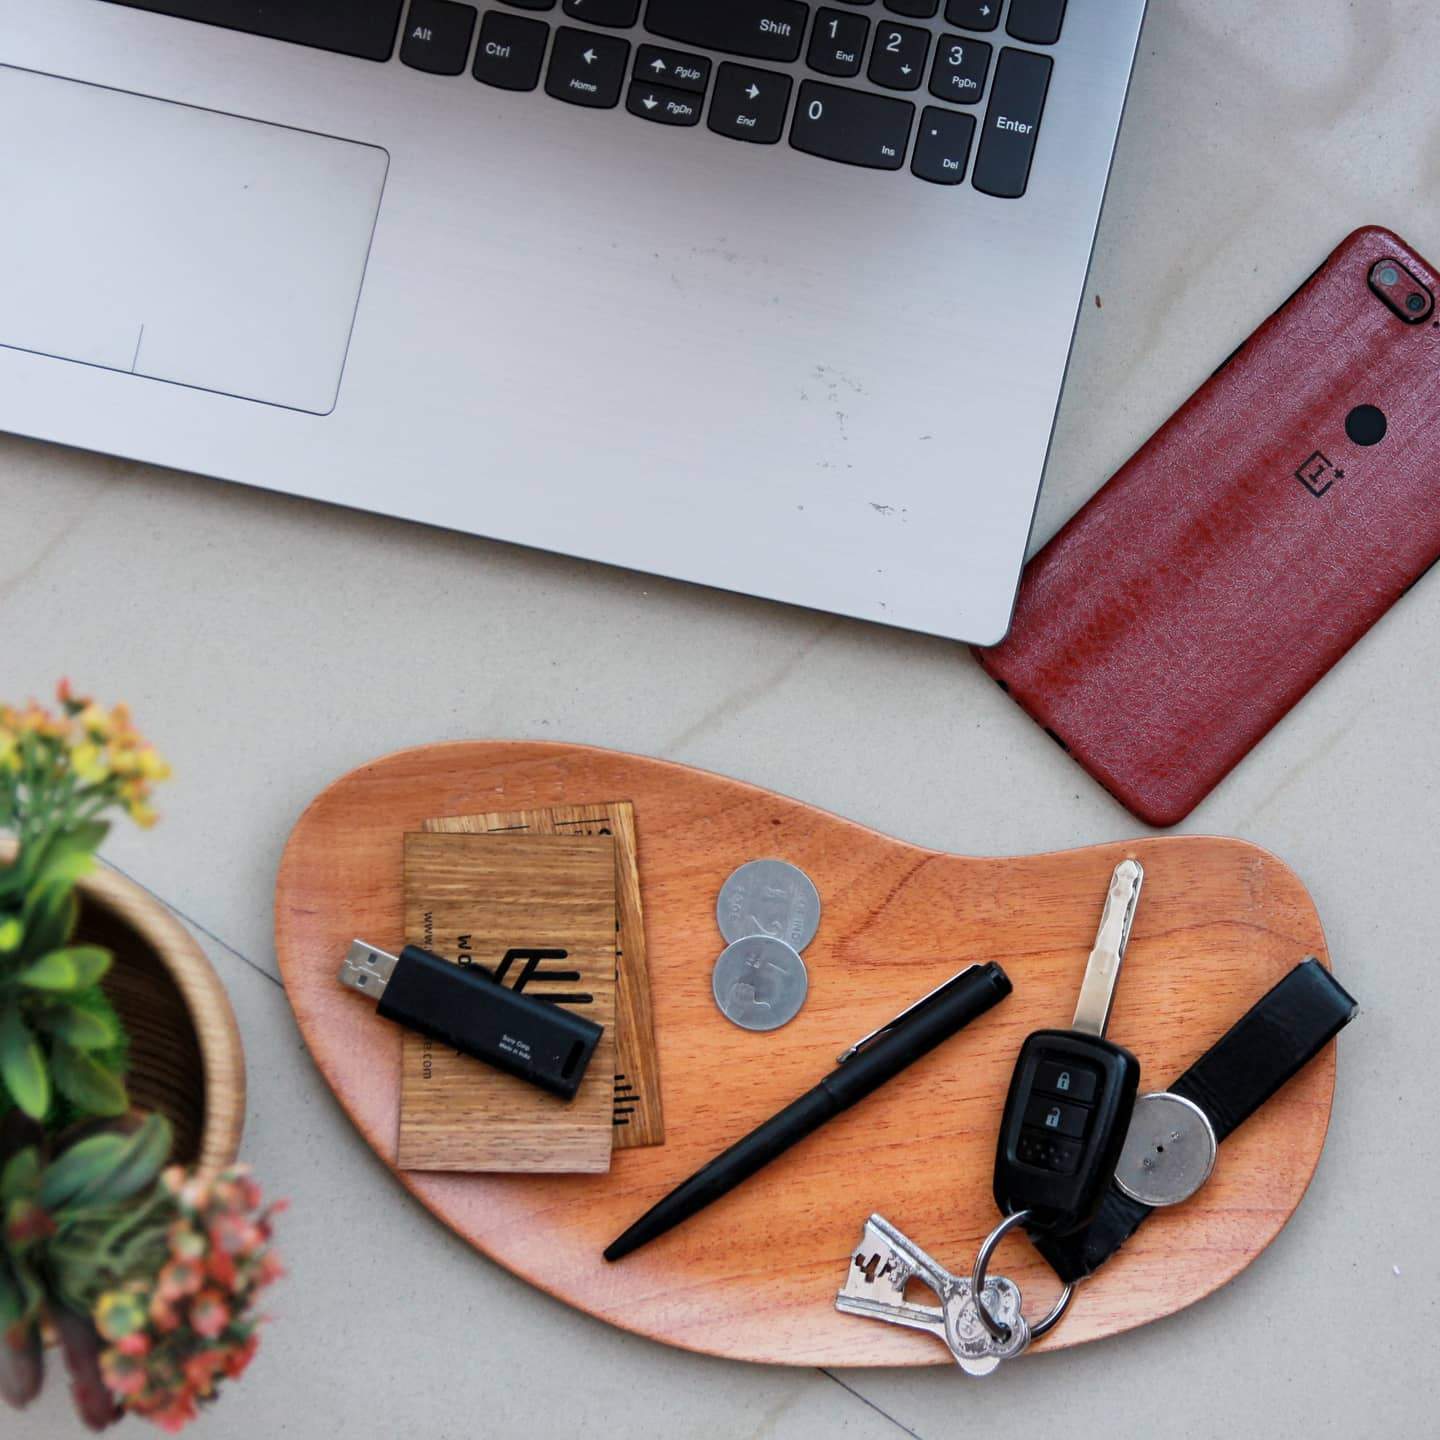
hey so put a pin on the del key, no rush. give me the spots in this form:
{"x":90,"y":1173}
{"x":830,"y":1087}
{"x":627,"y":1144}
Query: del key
{"x":1072,"y":1092}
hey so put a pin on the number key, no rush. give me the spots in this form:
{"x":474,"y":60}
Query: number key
{"x":961,"y":65}
{"x":852,"y":126}
{"x":898,"y":59}
{"x":837,"y":44}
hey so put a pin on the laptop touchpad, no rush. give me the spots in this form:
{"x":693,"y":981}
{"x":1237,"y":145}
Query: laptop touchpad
{"x":181,"y":244}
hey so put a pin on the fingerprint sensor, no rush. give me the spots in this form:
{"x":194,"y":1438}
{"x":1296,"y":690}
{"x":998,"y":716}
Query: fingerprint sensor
{"x":1366,"y":425}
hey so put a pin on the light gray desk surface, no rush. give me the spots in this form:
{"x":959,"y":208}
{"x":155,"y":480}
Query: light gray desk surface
{"x":269,"y":645}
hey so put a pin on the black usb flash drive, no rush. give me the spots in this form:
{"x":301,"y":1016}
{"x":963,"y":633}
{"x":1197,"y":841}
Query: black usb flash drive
{"x":463,"y":1006}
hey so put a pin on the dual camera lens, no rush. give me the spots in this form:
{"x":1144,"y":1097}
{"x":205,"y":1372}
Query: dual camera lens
{"x":1403,"y":292}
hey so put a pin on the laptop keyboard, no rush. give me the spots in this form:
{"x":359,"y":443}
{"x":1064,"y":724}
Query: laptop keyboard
{"x":898,"y":80}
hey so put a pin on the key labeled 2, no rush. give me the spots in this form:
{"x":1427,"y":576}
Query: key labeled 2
{"x":851,"y":126}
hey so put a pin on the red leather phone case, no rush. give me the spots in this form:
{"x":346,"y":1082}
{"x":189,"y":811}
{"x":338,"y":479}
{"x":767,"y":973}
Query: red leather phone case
{"x":1244,"y":548}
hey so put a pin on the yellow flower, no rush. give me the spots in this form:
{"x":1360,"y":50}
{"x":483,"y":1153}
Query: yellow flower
{"x":88,"y":762}
{"x":9,"y":752}
{"x":142,"y":814}
{"x":152,"y":767}
{"x":96,"y":722}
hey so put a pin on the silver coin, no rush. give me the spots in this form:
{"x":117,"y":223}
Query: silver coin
{"x":760,"y":982}
{"x":1169,"y":1150}
{"x":769,"y":897}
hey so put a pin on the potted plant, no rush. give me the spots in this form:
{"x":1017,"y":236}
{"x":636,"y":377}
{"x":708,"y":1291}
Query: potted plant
{"x":118,"y":1057}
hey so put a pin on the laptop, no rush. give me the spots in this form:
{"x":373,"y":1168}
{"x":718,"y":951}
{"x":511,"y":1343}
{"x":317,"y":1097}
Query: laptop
{"x":766,"y":295}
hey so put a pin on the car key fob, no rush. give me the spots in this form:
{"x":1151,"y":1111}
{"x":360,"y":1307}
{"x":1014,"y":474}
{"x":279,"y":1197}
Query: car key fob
{"x":1072,"y":1092}
{"x":1065,"y":1122}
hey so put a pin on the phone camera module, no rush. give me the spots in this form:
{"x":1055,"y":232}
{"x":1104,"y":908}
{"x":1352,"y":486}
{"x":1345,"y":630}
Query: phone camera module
{"x":1402,"y":292}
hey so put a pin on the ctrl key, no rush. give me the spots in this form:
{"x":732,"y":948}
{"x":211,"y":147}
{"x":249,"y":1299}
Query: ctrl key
{"x":943,"y":147}
{"x":511,"y":51}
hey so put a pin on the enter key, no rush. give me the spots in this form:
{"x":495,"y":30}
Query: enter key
{"x":1012,"y":123}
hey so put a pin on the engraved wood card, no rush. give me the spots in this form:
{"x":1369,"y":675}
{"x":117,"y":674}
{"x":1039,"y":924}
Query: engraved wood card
{"x":639,"y":1117}
{"x":475,"y":899}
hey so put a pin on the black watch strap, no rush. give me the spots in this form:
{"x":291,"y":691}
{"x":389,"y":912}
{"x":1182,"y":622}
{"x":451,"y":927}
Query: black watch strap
{"x":1277,"y":1037}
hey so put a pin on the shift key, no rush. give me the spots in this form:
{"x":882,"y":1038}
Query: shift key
{"x":1012,"y":123}
{"x":758,"y":29}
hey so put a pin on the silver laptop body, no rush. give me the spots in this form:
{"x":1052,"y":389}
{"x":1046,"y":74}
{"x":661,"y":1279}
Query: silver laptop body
{"x":565,"y":325}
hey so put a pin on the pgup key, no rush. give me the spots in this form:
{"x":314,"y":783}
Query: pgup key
{"x":1072,"y":1092}
{"x":884,"y":1263}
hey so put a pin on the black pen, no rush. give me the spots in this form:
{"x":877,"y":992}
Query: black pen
{"x":864,"y":1067}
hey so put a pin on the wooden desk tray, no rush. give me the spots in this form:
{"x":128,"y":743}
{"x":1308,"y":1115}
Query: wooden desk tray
{"x":755,"y":1276}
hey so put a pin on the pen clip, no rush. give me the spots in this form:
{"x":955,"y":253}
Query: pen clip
{"x":866,"y":1041}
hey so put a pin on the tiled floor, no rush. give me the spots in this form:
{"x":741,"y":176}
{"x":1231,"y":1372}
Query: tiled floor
{"x":251,"y":637}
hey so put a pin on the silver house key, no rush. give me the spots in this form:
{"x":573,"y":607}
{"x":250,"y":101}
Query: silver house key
{"x":884,"y":1263}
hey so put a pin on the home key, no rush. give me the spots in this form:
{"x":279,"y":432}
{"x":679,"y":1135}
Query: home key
{"x":883,"y":1264}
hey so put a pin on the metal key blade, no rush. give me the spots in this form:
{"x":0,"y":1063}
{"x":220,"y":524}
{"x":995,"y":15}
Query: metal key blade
{"x":1102,"y":970}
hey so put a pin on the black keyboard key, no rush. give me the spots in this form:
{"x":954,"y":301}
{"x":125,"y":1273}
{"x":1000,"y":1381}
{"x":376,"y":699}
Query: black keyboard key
{"x":837,"y":44}
{"x":619,"y":13}
{"x":675,"y":68}
{"x":942,"y":149}
{"x":920,"y":9}
{"x":759,"y":29}
{"x":973,"y":14}
{"x":1012,"y":123}
{"x":663,"y":105}
{"x":897,"y":60}
{"x":1036,"y":21}
{"x":532,"y":4}
{"x":749,"y":104}
{"x":437,"y":36}
{"x":586,"y":68}
{"x":366,"y":30}
{"x":511,"y":51}
{"x":852,"y":126}
{"x":961,"y":65}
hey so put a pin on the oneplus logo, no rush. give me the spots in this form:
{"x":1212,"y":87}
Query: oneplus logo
{"x":1317,"y":474}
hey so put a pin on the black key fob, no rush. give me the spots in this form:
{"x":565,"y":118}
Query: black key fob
{"x":1066,"y":1117}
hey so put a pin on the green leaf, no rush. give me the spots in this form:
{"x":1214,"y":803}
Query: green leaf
{"x":49,"y":915}
{"x":20,"y":1174}
{"x":85,"y":1163}
{"x":22,"y":1066}
{"x":77,"y":967}
{"x":68,"y":855}
{"x":12,"y":932}
{"x":86,"y":1083}
{"x":84,"y":1029}
{"x":147,"y":1150}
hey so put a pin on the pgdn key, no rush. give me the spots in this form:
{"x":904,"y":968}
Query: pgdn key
{"x":852,"y":126}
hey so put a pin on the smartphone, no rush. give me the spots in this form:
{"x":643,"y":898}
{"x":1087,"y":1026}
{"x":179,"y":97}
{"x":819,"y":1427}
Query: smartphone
{"x":1268,"y":524}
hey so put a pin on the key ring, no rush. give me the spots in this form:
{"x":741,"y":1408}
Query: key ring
{"x":977,"y":1285}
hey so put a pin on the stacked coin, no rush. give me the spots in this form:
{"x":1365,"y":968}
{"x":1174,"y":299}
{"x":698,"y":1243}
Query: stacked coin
{"x":768,"y":911}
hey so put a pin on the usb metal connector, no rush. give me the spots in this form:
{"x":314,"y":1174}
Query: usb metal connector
{"x":367,"y":969}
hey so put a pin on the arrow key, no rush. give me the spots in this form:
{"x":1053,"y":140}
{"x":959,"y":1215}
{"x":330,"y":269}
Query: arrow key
{"x":662,"y":104}
{"x":676,"y":68}
{"x":586,"y":68}
{"x":749,"y":104}
{"x":897,"y":59}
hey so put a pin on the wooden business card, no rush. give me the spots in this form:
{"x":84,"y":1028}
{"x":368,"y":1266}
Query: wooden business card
{"x":548,"y":903}
{"x":639,"y":1117}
